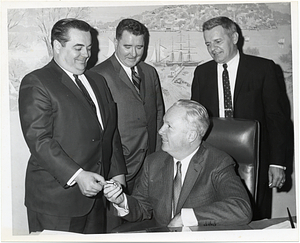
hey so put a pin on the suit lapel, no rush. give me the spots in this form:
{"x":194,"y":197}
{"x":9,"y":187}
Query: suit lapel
{"x":213,"y":89}
{"x":123,"y":75}
{"x":192,"y":174}
{"x":100,"y":101}
{"x":143,"y":82}
{"x":240,"y":77}
{"x":167,"y":174}
{"x":69,"y":83}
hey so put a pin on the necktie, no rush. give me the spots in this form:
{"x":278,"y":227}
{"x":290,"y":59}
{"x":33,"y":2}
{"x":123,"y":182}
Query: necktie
{"x":85,"y":93}
{"x":176,"y":186}
{"x":227,"y":92}
{"x":136,"y":79}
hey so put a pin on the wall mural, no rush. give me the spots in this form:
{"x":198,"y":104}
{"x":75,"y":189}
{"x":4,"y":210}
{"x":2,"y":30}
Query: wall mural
{"x":176,"y":42}
{"x":176,"y":47}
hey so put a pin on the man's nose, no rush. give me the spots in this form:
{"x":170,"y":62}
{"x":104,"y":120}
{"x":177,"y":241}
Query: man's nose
{"x":133,"y":52}
{"x":212,"y":47}
{"x":161,"y":130}
{"x":85,"y":52}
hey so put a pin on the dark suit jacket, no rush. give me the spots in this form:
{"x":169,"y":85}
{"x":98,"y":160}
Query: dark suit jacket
{"x":258,"y":95}
{"x":63,"y":134}
{"x":211,"y":187}
{"x":139,"y":116}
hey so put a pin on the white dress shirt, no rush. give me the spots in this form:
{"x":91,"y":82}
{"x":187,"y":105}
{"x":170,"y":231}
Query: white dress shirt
{"x":232,"y":67}
{"x":232,"y":72}
{"x":187,"y":214}
{"x":127,"y":69}
{"x":88,"y":87}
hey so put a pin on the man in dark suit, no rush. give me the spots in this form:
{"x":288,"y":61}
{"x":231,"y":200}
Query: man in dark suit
{"x":140,"y":106}
{"x":140,"y":109}
{"x":70,"y":127}
{"x":256,"y":94}
{"x":209,"y":191}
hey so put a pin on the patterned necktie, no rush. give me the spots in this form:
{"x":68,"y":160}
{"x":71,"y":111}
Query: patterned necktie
{"x":85,"y":93}
{"x":176,"y":186}
{"x":227,"y":92}
{"x":136,"y":79}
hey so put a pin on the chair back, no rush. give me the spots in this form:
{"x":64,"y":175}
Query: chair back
{"x":240,"y":139}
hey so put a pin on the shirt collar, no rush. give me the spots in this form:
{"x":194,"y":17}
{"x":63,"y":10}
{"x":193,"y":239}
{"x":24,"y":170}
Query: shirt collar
{"x":71,"y":75}
{"x":233,"y":61}
{"x":188,"y":158}
{"x":127,"y":69}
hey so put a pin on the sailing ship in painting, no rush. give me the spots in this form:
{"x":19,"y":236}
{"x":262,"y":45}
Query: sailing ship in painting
{"x":281,"y":42}
{"x":181,"y":56}
{"x":159,"y":56}
{"x":111,"y":48}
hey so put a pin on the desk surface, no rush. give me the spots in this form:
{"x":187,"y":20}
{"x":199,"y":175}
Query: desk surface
{"x":264,"y":223}
{"x":149,"y":226}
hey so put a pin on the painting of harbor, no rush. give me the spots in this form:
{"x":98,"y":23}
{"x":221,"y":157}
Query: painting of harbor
{"x":176,"y":47}
{"x":176,"y":44}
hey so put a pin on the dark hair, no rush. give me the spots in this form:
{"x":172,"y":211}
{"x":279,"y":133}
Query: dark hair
{"x":132,"y":26}
{"x":60,"y":30}
{"x":225,"y":22}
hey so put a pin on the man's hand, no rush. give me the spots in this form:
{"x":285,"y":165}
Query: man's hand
{"x":90,"y":183}
{"x":176,"y":221}
{"x":114,"y":193}
{"x":276,"y":177}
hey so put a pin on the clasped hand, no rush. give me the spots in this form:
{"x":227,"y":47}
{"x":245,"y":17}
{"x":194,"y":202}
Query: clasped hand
{"x":90,"y":183}
{"x":113,"y":192}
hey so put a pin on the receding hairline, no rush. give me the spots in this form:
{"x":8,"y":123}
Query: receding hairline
{"x":226,"y":23}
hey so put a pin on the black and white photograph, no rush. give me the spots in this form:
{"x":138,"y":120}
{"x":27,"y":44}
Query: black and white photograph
{"x":149,"y":121}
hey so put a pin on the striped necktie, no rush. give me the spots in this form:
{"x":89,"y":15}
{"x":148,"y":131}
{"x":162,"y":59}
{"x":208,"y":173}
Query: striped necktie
{"x":136,"y":79}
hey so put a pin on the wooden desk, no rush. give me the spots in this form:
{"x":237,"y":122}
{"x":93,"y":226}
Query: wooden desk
{"x":149,"y":226}
{"x":264,"y":223}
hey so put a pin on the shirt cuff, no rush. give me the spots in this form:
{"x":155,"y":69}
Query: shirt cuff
{"x":188,"y":217}
{"x":122,"y":211}
{"x":71,"y":182}
{"x":278,"y":166}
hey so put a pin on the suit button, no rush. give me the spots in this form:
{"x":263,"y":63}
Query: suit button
{"x":99,"y":162}
{"x":93,"y":140}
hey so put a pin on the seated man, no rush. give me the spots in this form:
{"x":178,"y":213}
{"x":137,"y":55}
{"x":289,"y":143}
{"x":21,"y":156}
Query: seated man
{"x":202,"y":189}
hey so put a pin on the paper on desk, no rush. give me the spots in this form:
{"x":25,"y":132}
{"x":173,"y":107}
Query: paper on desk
{"x":54,"y":232}
{"x":186,"y":229}
{"x":283,"y":225}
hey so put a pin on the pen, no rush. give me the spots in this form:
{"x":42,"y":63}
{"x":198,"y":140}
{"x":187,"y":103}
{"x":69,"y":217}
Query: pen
{"x":111,"y":182}
{"x":290,"y":218}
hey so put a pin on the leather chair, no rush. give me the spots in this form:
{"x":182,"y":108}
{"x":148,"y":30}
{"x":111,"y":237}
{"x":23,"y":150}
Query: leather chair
{"x":240,"y":139}
{"x":237,"y":137}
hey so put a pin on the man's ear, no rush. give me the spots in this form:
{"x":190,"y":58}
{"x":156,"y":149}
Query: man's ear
{"x":192,"y":135}
{"x":56,"y":46}
{"x":116,"y":43}
{"x":235,"y":37}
